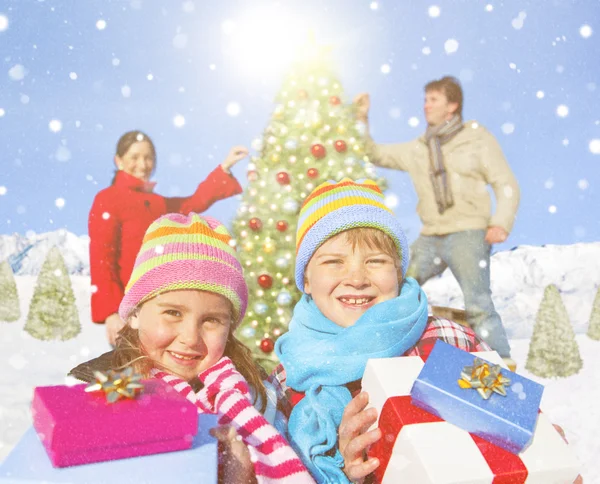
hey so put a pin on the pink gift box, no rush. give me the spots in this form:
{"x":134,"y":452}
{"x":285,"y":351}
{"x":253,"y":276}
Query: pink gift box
{"x":76,"y":427}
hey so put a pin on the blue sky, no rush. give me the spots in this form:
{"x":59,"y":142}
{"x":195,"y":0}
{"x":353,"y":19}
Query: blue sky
{"x":102,"y":67}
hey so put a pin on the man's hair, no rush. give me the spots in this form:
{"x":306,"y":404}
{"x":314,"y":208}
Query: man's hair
{"x":451,"y":88}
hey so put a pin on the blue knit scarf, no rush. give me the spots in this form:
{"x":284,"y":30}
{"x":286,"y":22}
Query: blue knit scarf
{"x":320,"y":358}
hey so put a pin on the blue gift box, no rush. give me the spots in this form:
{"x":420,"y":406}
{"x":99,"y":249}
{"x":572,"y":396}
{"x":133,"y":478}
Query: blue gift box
{"x":29,"y":462}
{"x":506,"y":421}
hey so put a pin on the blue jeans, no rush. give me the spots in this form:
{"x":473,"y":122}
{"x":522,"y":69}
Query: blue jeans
{"x":467,"y":254}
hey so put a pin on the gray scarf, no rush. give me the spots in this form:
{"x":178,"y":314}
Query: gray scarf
{"x":435,"y":137}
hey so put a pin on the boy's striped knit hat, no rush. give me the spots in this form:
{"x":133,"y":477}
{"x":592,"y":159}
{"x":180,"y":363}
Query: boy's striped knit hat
{"x":334,"y":207}
{"x":186,"y":252}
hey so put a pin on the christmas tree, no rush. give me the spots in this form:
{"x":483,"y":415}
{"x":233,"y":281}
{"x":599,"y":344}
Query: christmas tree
{"x":53,"y":312}
{"x":312,"y":137}
{"x":594,"y":326}
{"x":9,"y":299}
{"x":553,"y":351}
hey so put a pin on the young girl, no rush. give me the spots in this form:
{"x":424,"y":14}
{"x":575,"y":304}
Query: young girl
{"x":351,"y":259}
{"x":122,"y":212}
{"x":185,"y":298}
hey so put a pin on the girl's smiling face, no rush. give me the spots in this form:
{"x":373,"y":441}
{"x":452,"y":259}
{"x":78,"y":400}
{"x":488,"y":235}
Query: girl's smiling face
{"x":346,"y":279}
{"x":185,"y":331}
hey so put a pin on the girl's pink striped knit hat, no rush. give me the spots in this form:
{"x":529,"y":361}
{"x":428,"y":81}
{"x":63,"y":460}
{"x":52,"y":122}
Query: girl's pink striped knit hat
{"x":186,"y":252}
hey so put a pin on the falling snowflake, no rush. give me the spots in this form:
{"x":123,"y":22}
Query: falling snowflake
{"x":585,"y":31}
{"x":508,"y":128}
{"x":565,"y":142}
{"x":59,"y":202}
{"x":62,"y":154}
{"x":101,"y":24}
{"x":434,"y":11}
{"x":552,"y":209}
{"x":115,"y":62}
{"x":2,"y":112}
{"x":385,"y":68}
{"x":391,"y":200}
{"x":179,"y":121}
{"x":150,"y":77}
{"x":595,"y":146}
{"x":413,"y":122}
{"x":395,"y":112}
{"x":17,"y":72}
{"x":374,"y":5}
{"x":180,"y":41}
{"x":24,"y":99}
{"x":518,"y":22}
{"x":562,"y":111}
{"x":72,"y":76}
{"x":188,"y":6}
{"x":451,"y":46}
{"x":125,"y":91}
{"x":3,"y":23}
{"x":106,"y":215}
{"x":540,"y":94}
{"x":583,"y":184}
{"x":55,"y":125}
{"x":3,"y":190}
{"x":233,"y":109}
{"x":228,"y":27}
{"x":437,"y":261}
{"x":426,"y":50}
{"x":482,"y":264}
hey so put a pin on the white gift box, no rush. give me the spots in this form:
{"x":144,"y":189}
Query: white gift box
{"x":433,"y":451}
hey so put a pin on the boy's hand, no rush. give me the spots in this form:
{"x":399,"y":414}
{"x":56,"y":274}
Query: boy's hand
{"x":113,"y":324}
{"x":234,"y":456}
{"x":236,"y":154}
{"x":363,"y":103}
{"x":354,"y":440}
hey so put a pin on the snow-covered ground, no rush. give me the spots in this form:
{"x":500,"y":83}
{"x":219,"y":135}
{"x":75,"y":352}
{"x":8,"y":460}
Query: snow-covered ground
{"x":26,"y":362}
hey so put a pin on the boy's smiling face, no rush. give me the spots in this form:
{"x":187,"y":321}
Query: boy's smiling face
{"x":344,"y":281}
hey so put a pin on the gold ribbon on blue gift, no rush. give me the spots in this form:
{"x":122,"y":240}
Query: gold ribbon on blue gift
{"x":117,"y":385}
{"x":485,"y":378}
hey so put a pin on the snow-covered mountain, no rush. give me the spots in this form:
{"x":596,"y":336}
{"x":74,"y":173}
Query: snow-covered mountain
{"x":26,"y":253}
{"x":519,"y":276}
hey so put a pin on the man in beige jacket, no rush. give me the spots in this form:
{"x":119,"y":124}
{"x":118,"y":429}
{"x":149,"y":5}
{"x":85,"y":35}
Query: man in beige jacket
{"x":451,"y":166}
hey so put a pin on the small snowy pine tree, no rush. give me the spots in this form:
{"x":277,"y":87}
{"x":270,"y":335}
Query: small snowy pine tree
{"x":9,"y":298}
{"x":594,"y":327}
{"x":553,"y":351}
{"x":53,"y":311}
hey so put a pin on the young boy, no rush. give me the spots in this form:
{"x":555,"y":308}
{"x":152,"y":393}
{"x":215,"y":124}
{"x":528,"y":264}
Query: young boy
{"x":351,"y":261}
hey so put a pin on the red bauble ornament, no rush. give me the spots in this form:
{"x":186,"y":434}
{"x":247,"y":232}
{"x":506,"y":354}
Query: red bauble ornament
{"x":340,"y":146}
{"x":267,"y":345}
{"x":252,"y":175}
{"x":282,"y":225}
{"x":283,"y":178}
{"x":334,"y":100}
{"x":318,"y":150}
{"x":312,"y":173}
{"x":302,"y":94}
{"x":265,"y":281}
{"x":255,"y":224}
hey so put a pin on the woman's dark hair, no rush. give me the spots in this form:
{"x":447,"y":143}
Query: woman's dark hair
{"x":130,"y":138}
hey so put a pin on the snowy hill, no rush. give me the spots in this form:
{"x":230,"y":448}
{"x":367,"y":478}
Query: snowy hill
{"x":519,"y":276}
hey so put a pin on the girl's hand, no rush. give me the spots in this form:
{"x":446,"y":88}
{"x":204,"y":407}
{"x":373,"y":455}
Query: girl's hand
{"x":363,"y":103}
{"x":113,"y":324}
{"x":236,"y":154}
{"x":354,"y":440}
{"x":233,"y":456}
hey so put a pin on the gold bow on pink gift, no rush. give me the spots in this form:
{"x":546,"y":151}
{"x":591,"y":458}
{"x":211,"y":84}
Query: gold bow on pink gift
{"x":485,"y":378}
{"x":117,"y":385}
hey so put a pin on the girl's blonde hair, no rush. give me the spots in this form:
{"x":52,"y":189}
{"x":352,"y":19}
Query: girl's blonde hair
{"x":129,"y":351}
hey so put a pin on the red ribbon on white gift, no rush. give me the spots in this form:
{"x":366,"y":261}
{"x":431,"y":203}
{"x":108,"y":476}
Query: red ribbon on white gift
{"x":397,"y":412}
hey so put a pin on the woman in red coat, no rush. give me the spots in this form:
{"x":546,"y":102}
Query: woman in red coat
{"x":122,"y":212}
